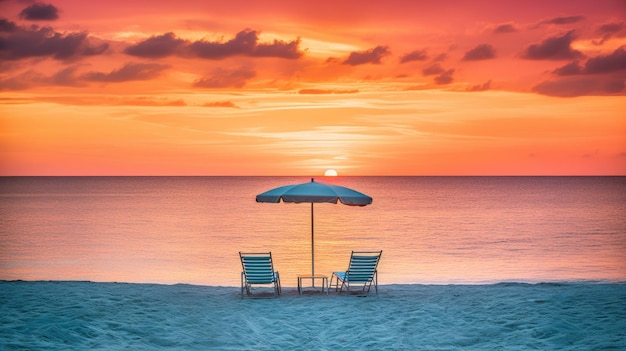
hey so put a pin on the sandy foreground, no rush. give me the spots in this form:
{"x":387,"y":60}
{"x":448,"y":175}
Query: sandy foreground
{"x":120,"y":316}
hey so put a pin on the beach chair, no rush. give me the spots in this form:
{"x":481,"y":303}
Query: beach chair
{"x":362,"y":270}
{"x":258,"y":269}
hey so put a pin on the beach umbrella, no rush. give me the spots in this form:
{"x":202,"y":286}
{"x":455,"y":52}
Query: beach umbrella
{"x":314,"y":192}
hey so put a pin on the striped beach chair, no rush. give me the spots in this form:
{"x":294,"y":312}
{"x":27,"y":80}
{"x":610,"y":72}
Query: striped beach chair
{"x":362,"y":270}
{"x":258,"y":269}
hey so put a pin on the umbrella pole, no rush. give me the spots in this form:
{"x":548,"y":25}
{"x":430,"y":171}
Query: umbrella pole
{"x":312,"y":249}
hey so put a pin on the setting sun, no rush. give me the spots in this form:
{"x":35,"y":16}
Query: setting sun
{"x":330,"y":173}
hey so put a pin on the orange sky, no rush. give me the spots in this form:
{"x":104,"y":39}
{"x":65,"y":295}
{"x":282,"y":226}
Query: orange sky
{"x":196,"y":87}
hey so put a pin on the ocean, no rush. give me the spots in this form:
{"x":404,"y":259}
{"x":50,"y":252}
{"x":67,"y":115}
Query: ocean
{"x":432,"y":230}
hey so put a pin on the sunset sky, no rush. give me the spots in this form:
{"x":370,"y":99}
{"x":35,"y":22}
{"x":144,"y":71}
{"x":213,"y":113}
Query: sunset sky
{"x":197,"y":87}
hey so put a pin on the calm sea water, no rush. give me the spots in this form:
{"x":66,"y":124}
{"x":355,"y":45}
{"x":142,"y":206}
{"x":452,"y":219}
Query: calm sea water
{"x":431,"y":229}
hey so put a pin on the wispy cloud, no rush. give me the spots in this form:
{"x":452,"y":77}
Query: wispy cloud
{"x":563,"y":20}
{"x":327,"y":91}
{"x":226,"y":78}
{"x":229,"y":104}
{"x":129,"y":72}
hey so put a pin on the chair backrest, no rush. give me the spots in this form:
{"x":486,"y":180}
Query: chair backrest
{"x":257,"y":267}
{"x":363,"y":265}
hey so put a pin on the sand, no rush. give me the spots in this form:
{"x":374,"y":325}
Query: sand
{"x":118,"y":316}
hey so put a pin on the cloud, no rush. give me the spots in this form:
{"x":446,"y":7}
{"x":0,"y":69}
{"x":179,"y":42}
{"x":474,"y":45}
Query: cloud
{"x":440,"y":57}
{"x":245,"y":43}
{"x":23,"y":81}
{"x":327,"y":91}
{"x":481,"y":52}
{"x":555,"y":48}
{"x":608,"y":30}
{"x":39,"y":12}
{"x":222,"y":78}
{"x":616,"y":61}
{"x":417,"y":55}
{"x":64,"y":77}
{"x":129,"y":72}
{"x":564,"y":20}
{"x":505,"y":28}
{"x":600,"y":75}
{"x":220,"y":104}
{"x":156,"y":46}
{"x":280,"y":49}
{"x":580,"y":86}
{"x":368,"y":56}
{"x":611,"y":28}
{"x":569,"y":69}
{"x":7,"y":26}
{"x":20,"y":43}
{"x":480,"y":87}
{"x":445,"y":77}
{"x":432,"y":70}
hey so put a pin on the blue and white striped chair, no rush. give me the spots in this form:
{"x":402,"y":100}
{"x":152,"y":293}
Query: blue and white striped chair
{"x":362,"y":270}
{"x":258,"y":269}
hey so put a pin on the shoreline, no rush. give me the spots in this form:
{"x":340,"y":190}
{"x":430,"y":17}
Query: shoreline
{"x":60,"y":315}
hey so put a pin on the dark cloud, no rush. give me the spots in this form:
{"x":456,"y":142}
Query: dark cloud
{"x":226,"y":79}
{"x":34,"y":41}
{"x":564,"y":20}
{"x":246,"y":43}
{"x":129,"y":72}
{"x":280,"y":49}
{"x":7,"y":26}
{"x":368,"y":56}
{"x":611,"y":28}
{"x":581,"y":86}
{"x":417,"y":55}
{"x":156,"y":46}
{"x":608,"y":30}
{"x":556,"y":48}
{"x":445,"y":77}
{"x":432,"y":70}
{"x":481,"y":52}
{"x":569,"y":69}
{"x":616,"y":61}
{"x":480,"y":87}
{"x":505,"y":28}
{"x":40,"y":12}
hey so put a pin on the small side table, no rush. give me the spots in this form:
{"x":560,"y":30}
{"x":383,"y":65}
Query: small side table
{"x":313,"y":278}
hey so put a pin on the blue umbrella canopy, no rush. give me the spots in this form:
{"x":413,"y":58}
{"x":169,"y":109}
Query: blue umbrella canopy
{"x":314,"y":192}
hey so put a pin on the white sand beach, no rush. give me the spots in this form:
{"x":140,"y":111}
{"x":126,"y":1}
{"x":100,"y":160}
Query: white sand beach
{"x":508,"y":316}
